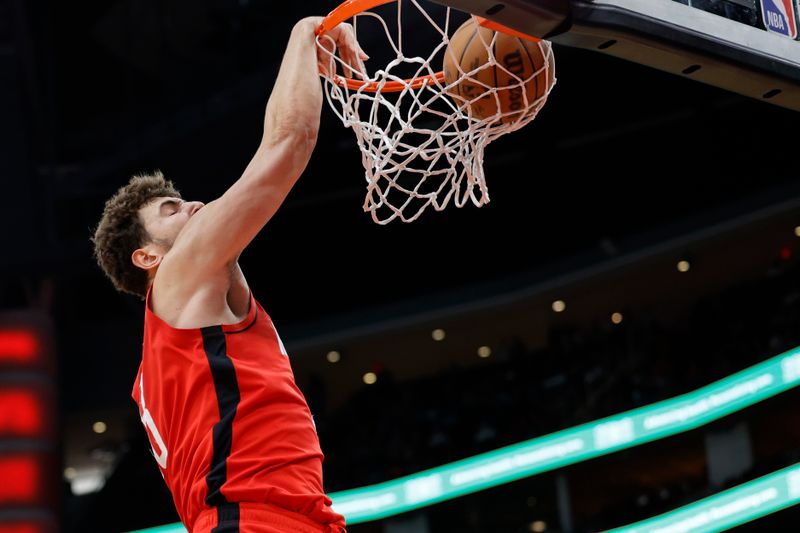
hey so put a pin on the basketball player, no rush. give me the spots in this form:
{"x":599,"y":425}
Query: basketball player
{"x":231,"y":433}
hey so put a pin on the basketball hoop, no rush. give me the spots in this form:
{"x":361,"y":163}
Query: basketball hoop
{"x":421,"y":139}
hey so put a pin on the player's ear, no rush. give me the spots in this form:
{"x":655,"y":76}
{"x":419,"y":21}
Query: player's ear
{"x":146,"y":258}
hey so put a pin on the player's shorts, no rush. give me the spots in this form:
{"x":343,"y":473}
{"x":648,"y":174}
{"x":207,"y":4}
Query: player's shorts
{"x":257,"y":518}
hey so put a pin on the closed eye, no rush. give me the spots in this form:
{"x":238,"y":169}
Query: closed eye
{"x":169,"y":207}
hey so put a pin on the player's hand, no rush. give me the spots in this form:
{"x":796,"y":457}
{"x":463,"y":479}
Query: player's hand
{"x":343,"y":39}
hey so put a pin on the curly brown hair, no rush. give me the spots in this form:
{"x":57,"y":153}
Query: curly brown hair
{"x":121,"y":231}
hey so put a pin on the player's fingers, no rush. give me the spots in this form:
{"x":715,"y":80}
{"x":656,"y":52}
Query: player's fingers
{"x":350,"y":52}
{"x":343,"y":36}
{"x":359,"y":58}
{"x":344,"y":53}
{"x":355,"y":62}
{"x":356,"y":54}
{"x":326,"y":55}
{"x":323,"y":62}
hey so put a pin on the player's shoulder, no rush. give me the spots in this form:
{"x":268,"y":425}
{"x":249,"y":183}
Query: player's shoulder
{"x":186,"y":301}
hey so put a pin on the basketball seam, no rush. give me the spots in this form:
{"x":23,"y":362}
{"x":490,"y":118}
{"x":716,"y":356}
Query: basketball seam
{"x":533,"y":66}
{"x":463,"y":52}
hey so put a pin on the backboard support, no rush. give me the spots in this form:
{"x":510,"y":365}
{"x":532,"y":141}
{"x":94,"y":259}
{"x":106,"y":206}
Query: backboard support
{"x":663,"y":34}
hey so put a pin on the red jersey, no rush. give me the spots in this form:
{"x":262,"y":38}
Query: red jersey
{"x":226,"y":421}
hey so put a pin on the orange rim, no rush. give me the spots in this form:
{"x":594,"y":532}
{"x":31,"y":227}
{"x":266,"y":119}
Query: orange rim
{"x":486,"y":23}
{"x":350,"y":8}
{"x":389,"y":86}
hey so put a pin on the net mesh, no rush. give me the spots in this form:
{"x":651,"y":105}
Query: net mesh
{"x":422,"y":145}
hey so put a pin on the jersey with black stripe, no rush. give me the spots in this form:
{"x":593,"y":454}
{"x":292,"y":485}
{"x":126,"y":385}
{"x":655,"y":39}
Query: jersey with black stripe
{"x":226,"y":420}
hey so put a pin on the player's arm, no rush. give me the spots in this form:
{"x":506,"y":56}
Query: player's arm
{"x":215,"y":236}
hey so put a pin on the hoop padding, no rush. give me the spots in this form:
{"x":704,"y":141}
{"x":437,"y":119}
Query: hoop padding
{"x":421,"y":145}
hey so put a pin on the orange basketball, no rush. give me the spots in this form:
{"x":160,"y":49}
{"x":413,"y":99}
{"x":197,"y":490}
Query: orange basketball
{"x":469,"y":49}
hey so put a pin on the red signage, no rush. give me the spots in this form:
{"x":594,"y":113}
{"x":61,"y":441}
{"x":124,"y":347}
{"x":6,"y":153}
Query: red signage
{"x":19,"y":346}
{"x":22,"y":479}
{"x":23,"y":414}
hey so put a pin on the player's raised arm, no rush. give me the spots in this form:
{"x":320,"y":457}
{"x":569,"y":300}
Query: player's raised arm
{"x":216,"y":234}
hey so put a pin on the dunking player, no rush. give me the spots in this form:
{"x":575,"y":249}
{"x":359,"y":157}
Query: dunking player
{"x":231,"y":432}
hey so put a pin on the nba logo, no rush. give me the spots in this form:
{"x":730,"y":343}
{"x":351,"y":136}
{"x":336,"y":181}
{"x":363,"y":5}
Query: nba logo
{"x":779,"y":17}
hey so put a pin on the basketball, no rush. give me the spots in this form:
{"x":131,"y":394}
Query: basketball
{"x":516,"y":59}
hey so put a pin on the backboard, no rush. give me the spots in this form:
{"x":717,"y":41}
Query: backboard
{"x":745,"y":46}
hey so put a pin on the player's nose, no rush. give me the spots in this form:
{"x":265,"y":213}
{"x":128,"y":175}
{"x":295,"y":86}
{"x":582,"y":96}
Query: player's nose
{"x":194,"y":207}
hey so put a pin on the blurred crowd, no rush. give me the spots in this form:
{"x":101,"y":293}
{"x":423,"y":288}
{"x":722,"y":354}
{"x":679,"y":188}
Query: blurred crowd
{"x":391,"y":429}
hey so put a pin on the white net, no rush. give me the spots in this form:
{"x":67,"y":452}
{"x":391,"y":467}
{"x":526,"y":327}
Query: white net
{"x":422,"y":134}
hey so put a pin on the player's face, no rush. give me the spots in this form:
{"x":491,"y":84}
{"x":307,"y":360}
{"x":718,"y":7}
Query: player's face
{"x":164,"y":218}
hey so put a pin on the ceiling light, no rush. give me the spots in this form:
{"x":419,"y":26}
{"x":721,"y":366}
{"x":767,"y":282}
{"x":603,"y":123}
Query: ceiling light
{"x":538,"y":526}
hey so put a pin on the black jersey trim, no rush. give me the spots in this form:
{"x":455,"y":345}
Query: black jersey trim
{"x":227,"y":518}
{"x":227,"y":391}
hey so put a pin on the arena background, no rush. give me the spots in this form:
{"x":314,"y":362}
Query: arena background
{"x":627,"y":173}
